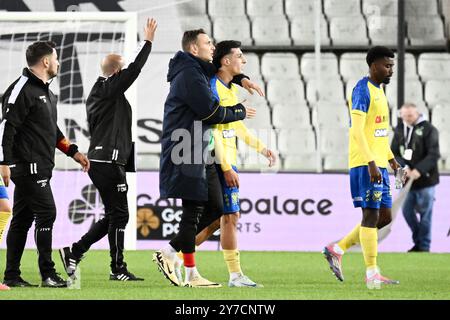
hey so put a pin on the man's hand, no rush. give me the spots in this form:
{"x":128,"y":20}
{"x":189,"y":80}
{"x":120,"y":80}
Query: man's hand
{"x":270,"y":155}
{"x":249,"y":111}
{"x":149,"y":29}
{"x":413,"y":174}
{"x":231,"y":178}
{"x":250,"y":86}
{"x":83,"y":160}
{"x":6,"y":174}
{"x":374,"y":172}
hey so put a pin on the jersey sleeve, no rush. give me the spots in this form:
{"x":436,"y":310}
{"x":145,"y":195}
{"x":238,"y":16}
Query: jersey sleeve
{"x":244,"y":134}
{"x":361,"y":98}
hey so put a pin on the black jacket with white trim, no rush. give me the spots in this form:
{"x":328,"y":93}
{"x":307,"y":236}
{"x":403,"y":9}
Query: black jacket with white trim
{"x":29,"y":131}
{"x":109,"y":112}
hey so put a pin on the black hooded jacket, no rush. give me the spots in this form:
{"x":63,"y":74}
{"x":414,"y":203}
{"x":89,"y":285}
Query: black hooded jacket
{"x":109,"y":112}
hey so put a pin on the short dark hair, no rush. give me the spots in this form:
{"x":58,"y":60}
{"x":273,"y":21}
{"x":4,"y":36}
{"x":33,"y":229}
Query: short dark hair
{"x":190,"y":37}
{"x":37,"y":50}
{"x":378,"y":52}
{"x":222,"y":49}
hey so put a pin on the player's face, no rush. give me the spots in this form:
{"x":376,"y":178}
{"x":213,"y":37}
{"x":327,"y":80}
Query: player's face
{"x":385,"y":69}
{"x":53,"y":64}
{"x":409,"y":115}
{"x":236,"y":61}
{"x":203,"y":48}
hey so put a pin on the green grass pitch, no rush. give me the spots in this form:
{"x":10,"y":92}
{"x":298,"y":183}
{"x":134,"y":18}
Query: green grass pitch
{"x":285,"y":275}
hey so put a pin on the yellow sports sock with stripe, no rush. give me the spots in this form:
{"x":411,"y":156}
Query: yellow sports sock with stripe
{"x":4,"y":218}
{"x":350,"y":239}
{"x":369,"y":245}
{"x":232,"y":260}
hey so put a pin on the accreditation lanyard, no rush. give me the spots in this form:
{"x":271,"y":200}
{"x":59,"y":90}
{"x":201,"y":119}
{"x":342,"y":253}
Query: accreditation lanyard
{"x":407,"y":135}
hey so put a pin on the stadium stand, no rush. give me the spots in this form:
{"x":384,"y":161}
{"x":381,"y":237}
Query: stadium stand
{"x":278,"y":38}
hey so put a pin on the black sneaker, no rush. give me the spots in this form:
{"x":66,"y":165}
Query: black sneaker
{"x":54,"y":281}
{"x":122,"y":274}
{"x":414,"y":249}
{"x":19,"y":282}
{"x":70,"y":262}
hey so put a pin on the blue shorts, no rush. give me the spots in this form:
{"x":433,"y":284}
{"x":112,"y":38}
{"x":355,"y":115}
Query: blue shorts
{"x":370,"y":195}
{"x":3,"y":193}
{"x":230,"y":194}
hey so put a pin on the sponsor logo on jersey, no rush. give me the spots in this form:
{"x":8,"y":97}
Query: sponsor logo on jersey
{"x":381,"y":133}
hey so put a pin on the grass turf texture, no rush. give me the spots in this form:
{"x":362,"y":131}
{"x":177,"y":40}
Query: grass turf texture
{"x":285,"y":275}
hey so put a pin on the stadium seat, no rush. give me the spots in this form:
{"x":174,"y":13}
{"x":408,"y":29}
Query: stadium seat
{"x":195,"y":22}
{"x":271,"y":32}
{"x":300,"y":9}
{"x":290,"y":116}
{"x":254,"y":100}
{"x":383,"y":30}
{"x":339,"y":8}
{"x":441,"y":117}
{"x":434,"y":66}
{"x":191,"y":8}
{"x":252,"y":67}
{"x":437,"y":92}
{"x":258,"y":8}
{"x":229,"y":8}
{"x":444,"y":145}
{"x":250,"y":158}
{"x":305,"y":162}
{"x":262,"y":119}
{"x":296,"y":141}
{"x":379,"y":7}
{"x":410,"y":66}
{"x":328,"y":115}
{"x":280,"y":66}
{"x":285,"y":91}
{"x":335,"y":162}
{"x":426,"y":30}
{"x":413,"y":92}
{"x":421,"y":8}
{"x":331,"y":90}
{"x":328,"y":65}
{"x":348,"y":32}
{"x":303,"y":34}
{"x":147,"y":161}
{"x":353,"y":65}
{"x":235,"y":27}
{"x":333,"y":140}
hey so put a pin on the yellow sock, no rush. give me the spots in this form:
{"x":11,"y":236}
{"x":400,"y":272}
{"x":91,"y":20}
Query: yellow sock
{"x":4,"y":218}
{"x":231,"y":258}
{"x":369,"y":245}
{"x":350,"y":239}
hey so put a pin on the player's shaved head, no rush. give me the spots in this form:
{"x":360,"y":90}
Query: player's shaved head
{"x":111,"y":64}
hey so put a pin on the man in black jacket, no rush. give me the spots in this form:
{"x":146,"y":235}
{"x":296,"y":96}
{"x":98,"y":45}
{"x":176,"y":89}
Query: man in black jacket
{"x":416,"y":146}
{"x":110,"y":151}
{"x":29,"y":135}
{"x":189,"y":111}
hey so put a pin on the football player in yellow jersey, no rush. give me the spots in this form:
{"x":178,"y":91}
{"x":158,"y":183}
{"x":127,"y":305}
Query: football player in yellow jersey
{"x":369,"y":156}
{"x":5,"y":208}
{"x":229,"y":58}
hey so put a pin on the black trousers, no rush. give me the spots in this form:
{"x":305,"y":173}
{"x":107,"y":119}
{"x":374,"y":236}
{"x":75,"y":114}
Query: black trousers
{"x":33,"y":201}
{"x":198,"y":214}
{"x":110,"y":180}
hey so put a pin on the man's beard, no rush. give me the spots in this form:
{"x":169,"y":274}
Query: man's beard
{"x":387,"y":80}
